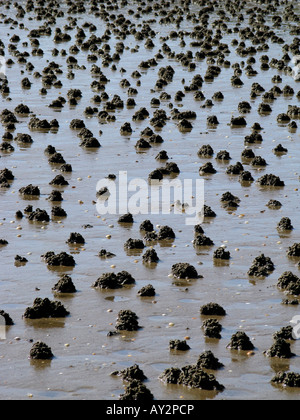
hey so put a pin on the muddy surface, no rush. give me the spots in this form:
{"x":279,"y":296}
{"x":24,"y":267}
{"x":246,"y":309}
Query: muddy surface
{"x":84,"y":84}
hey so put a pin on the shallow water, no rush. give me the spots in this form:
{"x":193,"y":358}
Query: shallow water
{"x":84,"y":354}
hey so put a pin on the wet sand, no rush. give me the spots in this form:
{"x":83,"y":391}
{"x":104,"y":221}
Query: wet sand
{"x":84,"y":356}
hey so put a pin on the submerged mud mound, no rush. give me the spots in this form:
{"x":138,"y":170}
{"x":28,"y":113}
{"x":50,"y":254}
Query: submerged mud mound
{"x":41,"y":351}
{"x":44,"y":308}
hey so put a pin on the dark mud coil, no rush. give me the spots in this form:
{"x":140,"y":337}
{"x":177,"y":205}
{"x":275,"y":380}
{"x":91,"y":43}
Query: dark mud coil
{"x":40,"y":351}
{"x":184,"y":271}
{"x":132,"y":373}
{"x":6,"y":317}
{"x":180,"y":345}
{"x":165,"y":233}
{"x":240,"y":341}
{"x":274,"y":204}
{"x":285,"y":332}
{"x":147,"y":226}
{"x":134,"y":244}
{"x":114,"y":281}
{"x":39,"y":215}
{"x":44,"y":308}
{"x":284,"y":224}
{"x":212,"y":328}
{"x":280,"y":348}
{"x":191,"y":376}
{"x":136,"y":391}
{"x":221,"y":253}
{"x":202,"y":240}
{"x":103,"y":253}
{"x":212,"y":308}
{"x":270,"y":180}
{"x":30,"y":190}
{"x":64,"y":285}
{"x":294,"y":250}
{"x":290,"y":283}
{"x":20,"y":260}
{"x":147,"y":291}
{"x":126,"y":218}
{"x":127,"y":321}
{"x":3,"y":242}
{"x":207,"y":211}
{"x":55,"y":196}
{"x":262,"y":266}
{"x":286,"y":379}
{"x":59,"y":180}
{"x":61,"y":259}
{"x":207,"y":360}
{"x":76,"y":238}
{"x":150,"y":256}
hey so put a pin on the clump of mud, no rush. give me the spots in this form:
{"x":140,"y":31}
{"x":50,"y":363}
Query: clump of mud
{"x":64,"y":285}
{"x":285,"y":223}
{"x":44,"y":308}
{"x":127,"y":321}
{"x":30,"y":190}
{"x":103,"y":253}
{"x":191,"y":376}
{"x":76,"y":238}
{"x":240,"y":341}
{"x":202,"y":240}
{"x":114,"y":281}
{"x":61,"y":259}
{"x":40,"y":351}
{"x":7,"y":318}
{"x":184,"y":271}
{"x":207,"y":360}
{"x":289,"y":282}
{"x":180,"y":345}
{"x":270,"y":180}
{"x":285,"y":332}
{"x":132,"y":373}
{"x":286,"y":379}
{"x":136,"y":391}
{"x":212,"y":308}
{"x":262,"y":266}
{"x":39,"y":215}
{"x":221,"y":253}
{"x":294,"y":250}
{"x":280,"y":348}
{"x":147,"y":291}
{"x":165,"y":233}
{"x":150,"y":256}
{"x":212,"y":328}
{"x":134,"y":244}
